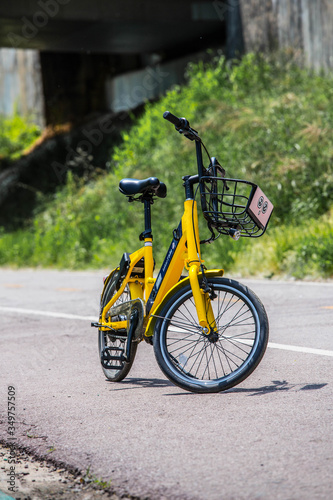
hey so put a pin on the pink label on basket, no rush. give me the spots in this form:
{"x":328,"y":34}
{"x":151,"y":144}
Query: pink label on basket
{"x":260,"y":208}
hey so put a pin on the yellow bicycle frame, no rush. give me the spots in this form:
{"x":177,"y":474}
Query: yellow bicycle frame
{"x":184,"y":252}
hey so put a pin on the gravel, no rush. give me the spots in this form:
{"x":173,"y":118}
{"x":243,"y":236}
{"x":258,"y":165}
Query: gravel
{"x":37,"y":479}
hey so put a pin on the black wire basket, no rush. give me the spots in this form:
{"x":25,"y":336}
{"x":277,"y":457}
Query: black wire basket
{"x":235,"y":207}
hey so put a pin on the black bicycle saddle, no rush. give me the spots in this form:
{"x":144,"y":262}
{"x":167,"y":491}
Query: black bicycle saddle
{"x":152,"y":185}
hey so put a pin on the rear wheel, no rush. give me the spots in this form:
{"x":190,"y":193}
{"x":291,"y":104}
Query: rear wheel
{"x":198,"y":363}
{"x":116,"y":342}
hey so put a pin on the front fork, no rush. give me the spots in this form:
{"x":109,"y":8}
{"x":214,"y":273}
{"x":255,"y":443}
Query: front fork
{"x":201,"y":297}
{"x":202,"y":302}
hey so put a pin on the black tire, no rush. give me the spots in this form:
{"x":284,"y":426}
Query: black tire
{"x":106,"y":339}
{"x":193,"y":362}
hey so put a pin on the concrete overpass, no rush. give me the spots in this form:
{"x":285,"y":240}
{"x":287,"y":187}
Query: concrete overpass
{"x":86,"y":44}
{"x":115,"y":26}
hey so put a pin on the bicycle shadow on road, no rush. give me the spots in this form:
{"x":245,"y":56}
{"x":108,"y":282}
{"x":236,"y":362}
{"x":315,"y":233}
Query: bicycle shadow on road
{"x":277,"y":385}
{"x":140,"y":383}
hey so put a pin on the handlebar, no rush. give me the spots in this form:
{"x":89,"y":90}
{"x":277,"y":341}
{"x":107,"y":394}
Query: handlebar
{"x":182,"y":126}
{"x":177,"y":122}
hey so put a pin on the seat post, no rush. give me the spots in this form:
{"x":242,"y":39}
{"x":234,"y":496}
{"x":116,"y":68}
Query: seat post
{"x":147,"y":233}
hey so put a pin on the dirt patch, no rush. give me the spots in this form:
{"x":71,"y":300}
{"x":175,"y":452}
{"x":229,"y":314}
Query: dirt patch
{"x":34,"y":479}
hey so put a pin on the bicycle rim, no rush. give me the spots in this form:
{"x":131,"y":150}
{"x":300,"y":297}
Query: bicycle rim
{"x":187,"y":356}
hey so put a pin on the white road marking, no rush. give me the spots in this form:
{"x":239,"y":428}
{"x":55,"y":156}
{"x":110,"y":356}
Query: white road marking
{"x":287,"y":347}
{"x":51,"y":314}
{"x":307,"y":350}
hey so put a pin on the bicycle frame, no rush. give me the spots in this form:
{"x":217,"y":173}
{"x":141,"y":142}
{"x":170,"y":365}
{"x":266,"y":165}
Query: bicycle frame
{"x":209,"y":333}
{"x":184,"y":252}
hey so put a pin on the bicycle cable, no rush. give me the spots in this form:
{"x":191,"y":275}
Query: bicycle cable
{"x":206,"y":287}
{"x":213,"y":235}
{"x":202,"y":144}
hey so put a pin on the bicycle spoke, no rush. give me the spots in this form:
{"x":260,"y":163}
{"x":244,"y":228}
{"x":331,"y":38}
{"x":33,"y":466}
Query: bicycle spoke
{"x":231,"y":353}
{"x":236,"y":315}
{"x":192,"y":355}
{"x":181,"y":348}
{"x":214,"y":358}
{"x":184,"y":325}
{"x":222,"y":366}
{"x":194,"y":321}
{"x":202,"y":353}
{"x":208,"y":362}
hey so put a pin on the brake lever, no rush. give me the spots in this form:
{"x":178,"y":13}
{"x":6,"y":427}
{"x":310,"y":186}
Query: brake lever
{"x":189,"y":133}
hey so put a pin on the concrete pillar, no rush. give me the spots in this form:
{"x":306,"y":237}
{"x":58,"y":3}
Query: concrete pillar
{"x":21,"y":84}
{"x":235,"y":39}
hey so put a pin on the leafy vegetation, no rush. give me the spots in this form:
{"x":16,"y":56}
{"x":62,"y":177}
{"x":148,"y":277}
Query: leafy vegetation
{"x":304,"y":250}
{"x":99,"y":483}
{"x":266,"y":119}
{"x":16,"y":134}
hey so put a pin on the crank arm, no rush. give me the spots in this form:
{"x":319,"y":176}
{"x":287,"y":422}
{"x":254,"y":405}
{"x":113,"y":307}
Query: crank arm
{"x":99,"y":325}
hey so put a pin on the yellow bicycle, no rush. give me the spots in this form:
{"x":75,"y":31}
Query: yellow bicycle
{"x":208,"y":332}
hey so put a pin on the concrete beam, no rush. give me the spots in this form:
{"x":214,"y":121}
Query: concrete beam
{"x":118,"y":26}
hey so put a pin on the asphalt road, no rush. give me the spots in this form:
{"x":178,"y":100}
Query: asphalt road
{"x":268,"y":438}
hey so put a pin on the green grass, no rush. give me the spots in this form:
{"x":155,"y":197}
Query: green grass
{"x":16,"y":134}
{"x":266,"y":119}
{"x":301,"y":251}
{"x":97,"y":482}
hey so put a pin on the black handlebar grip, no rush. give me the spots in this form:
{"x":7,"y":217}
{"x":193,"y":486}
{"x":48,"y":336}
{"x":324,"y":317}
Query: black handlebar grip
{"x":177,"y":122}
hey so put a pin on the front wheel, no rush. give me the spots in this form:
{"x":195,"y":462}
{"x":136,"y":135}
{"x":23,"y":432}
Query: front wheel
{"x":198,"y":363}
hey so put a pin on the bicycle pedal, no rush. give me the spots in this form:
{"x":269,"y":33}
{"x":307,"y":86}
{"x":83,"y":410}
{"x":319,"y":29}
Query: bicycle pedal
{"x":107,"y":358}
{"x":149,"y":340}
